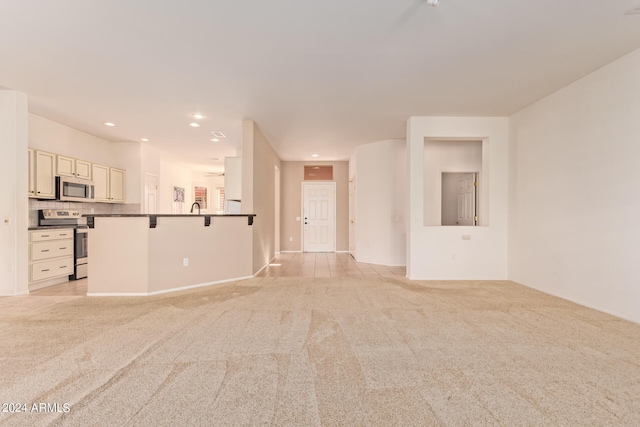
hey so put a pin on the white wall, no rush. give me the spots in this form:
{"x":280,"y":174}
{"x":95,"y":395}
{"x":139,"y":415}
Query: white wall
{"x":128,"y":156}
{"x":381,"y":202}
{"x":574,"y":187}
{"x":174,"y":174}
{"x":13,"y":203}
{"x":435,"y":252}
{"x":47,"y":135}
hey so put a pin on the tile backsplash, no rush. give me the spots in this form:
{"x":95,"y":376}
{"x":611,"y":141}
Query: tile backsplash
{"x":84,"y":208}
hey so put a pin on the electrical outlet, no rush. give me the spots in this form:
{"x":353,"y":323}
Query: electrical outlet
{"x":185,"y":262}
{"x":291,"y":238}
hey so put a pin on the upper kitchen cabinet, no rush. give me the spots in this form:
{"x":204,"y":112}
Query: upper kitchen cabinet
{"x":32,"y":172}
{"x":42,"y":174}
{"x":117,"y":179}
{"x":109,"y":184}
{"x":233,"y":178}
{"x":68,"y":166}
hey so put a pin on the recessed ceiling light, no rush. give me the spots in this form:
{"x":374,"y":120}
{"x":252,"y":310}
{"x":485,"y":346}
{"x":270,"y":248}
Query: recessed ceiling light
{"x":314,"y":155}
{"x":109,"y":124}
{"x":198,"y":116}
{"x":433,"y":3}
{"x":144,"y":139}
{"x":215,"y":139}
{"x":194,"y":124}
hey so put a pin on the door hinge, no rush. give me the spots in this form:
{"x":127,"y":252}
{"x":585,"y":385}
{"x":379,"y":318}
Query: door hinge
{"x":475,"y":218}
{"x":475,"y":183}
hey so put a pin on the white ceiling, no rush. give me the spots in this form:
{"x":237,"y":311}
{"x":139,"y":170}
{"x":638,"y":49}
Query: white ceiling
{"x":317,"y":77}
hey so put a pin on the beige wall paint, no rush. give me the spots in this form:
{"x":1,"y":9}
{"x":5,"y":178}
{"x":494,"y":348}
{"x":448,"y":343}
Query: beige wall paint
{"x":128,"y":257}
{"x":291,"y":204}
{"x":258,"y":171}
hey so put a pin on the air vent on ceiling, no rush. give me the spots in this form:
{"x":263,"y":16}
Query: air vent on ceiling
{"x":219,"y":134}
{"x":634,"y":11}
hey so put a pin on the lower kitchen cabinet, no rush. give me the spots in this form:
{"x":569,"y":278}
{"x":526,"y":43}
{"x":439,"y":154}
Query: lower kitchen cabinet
{"x":50,"y":254}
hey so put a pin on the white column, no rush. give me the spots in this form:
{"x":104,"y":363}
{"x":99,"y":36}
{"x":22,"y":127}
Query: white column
{"x":13,"y":201}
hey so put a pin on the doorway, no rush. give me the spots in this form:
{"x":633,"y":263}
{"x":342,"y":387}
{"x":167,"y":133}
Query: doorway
{"x":319,"y":217}
{"x":276,"y":202}
{"x":352,"y":217}
{"x":150,"y":193}
{"x":459,"y":198}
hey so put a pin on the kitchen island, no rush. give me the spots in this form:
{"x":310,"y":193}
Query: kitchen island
{"x":137,"y":254}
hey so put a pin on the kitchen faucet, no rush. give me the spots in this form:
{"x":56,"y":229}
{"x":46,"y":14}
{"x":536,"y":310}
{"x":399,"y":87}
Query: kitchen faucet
{"x":195,"y":203}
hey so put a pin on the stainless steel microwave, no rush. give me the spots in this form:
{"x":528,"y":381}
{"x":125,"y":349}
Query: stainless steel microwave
{"x":74,"y":190}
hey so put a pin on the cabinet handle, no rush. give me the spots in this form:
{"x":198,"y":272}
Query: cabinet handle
{"x":64,"y":234}
{"x":45,"y":235}
{"x":44,"y":250}
{"x":64,"y":266}
{"x":63,"y":248}
{"x":45,"y":270}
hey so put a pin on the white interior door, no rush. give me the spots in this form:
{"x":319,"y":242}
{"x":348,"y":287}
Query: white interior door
{"x":150,"y":193}
{"x":319,"y":216}
{"x":352,"y":217}
{"x":467,"y":199}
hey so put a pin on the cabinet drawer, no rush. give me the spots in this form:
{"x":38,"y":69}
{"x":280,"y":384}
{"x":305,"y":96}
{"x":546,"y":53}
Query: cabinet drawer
{"x":50,"y":269}
{"x":58,"y":233}
{"x":51,"y":249}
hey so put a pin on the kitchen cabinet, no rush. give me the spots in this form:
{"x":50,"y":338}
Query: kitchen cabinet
{"x":32,"y":172}
{"x":50,"y":253}
{"x":68,"y":166}
{"x":109,"y":184}
{"x":117,"y":178}
{"x":42,"y":175}
{"x":233,"y":178}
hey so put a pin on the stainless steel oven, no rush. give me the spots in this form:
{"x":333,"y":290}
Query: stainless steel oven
{"x":71,"y":219}
{"x":81,"y":252}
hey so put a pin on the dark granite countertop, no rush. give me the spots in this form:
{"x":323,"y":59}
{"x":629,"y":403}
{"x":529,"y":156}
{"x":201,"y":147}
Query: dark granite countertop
{"x":153,"y":218}
{"x":159,"y":215}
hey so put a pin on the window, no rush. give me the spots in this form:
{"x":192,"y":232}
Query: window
{"x":200,"y":196}
{"x":220,"y":200}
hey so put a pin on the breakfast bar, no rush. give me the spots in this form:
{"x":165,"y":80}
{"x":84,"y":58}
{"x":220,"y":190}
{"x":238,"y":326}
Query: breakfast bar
{"x":141,"y":254}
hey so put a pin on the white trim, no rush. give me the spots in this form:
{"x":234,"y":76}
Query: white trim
{"x":290,"y":252}
{"x":165,"y":291}
{"x":341,"y":252}
{"x":263,"y":267}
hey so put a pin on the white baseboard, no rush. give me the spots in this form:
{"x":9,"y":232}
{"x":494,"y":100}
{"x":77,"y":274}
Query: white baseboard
{"x":165,"y":291}
{"x":263,"y":267}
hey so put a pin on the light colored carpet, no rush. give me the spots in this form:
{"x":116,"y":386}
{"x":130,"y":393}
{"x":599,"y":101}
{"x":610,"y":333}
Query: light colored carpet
{"x":300,"y":351}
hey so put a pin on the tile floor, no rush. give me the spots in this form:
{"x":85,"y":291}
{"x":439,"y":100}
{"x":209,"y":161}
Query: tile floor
{"x":328,"y":264}
{"x":71,"y":288}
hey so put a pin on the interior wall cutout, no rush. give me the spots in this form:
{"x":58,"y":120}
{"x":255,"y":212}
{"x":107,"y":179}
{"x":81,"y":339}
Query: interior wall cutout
{"x":449,"y":156}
